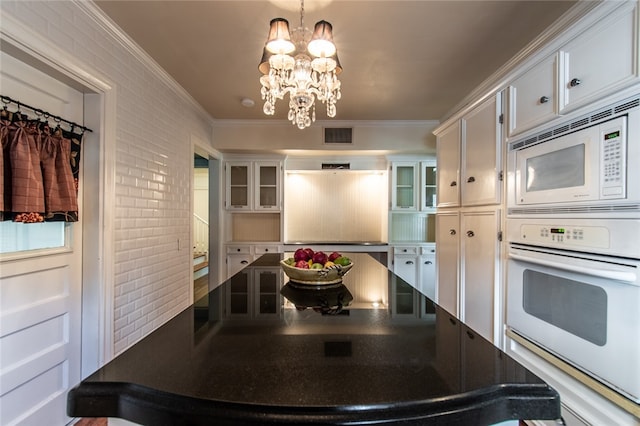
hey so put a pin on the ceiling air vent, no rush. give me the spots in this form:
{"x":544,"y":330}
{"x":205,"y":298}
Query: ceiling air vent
{"x":336,"y":166}
{"x":338,"y":135}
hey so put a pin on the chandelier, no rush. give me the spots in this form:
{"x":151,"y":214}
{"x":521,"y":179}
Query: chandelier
{"x":303,"y":64}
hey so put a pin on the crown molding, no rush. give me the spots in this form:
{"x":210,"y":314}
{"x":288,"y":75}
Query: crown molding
{"x":112,"y":29}
{"x":266,"y":122}
{"x":537,"y":48}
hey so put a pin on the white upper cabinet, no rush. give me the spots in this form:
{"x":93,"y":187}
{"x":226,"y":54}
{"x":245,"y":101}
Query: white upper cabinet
{"x":428,"y":185}
{"x":600,"y":60}
{"x":267,"y":185}
{"x":481,"y":166}
{"x":533,"y":97}
{"x":448,"y":160}
{"x":239,"y":188}
{"x":413,"y":185}
{"x":591,"y":65}
{"x":253,"y":186}
{"x":404,"y":186}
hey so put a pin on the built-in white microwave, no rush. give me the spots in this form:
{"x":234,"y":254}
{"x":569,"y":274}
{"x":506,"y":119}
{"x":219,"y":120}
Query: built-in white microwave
{"x":587,"y":162}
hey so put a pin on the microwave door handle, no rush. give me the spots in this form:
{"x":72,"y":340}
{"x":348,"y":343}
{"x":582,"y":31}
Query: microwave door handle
{"x":629,"y":277}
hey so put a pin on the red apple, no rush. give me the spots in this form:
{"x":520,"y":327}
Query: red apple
{"x":301,"y":254}
{"x":320,"y":257}
{"x":333,"y":256}
{"x":302,"y":264}
{"x":309,"y":253}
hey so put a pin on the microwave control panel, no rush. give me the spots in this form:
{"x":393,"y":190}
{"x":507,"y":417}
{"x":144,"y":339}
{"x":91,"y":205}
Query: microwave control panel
{"x":565,"y":236}
{"x":613,"y":158}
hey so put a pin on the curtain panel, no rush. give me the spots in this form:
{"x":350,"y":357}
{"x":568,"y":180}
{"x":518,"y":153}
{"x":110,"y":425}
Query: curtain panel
{"x":39,"y":170}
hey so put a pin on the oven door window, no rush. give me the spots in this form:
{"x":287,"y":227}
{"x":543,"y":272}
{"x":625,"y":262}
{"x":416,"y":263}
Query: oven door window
{"x":574,"y":306}
{"x":563,"y":168}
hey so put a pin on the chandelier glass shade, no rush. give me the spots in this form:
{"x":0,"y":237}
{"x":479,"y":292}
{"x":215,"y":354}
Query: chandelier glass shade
{"x":303,"y":65}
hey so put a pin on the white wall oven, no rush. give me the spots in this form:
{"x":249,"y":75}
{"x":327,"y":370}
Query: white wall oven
{"x":573,"y":232}
{"x":581,"y":307}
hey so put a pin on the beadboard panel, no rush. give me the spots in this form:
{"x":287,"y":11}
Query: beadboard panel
{"x":336,"y":206}
{"x":255,"y":227}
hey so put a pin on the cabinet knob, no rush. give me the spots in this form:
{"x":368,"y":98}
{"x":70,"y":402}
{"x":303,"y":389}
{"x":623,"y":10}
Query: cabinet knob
{"x":409,"y":262}
{"x":471,"y":179}
{"x":238,"y":249}
{"x":452,"y":321}
{"x":470,"y":335}
{"x":454,"y":183}
{"x":266,"y":249}
{"x":544,"y":99}
{"x":575,"y":82}
{"x":428,"y":262}
{"x":452,"y":232}
{"x":244,"y":262}
{"x":470,"y":234}
{"x":404,"y":250}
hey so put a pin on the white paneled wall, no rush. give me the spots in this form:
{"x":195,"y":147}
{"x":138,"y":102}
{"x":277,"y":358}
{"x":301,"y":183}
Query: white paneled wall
{"x":336,"y":205}
{"x":154,"y":125}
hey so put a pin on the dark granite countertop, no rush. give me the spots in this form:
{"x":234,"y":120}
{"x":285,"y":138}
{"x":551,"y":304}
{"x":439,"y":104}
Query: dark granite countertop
{"x":371,"y":350}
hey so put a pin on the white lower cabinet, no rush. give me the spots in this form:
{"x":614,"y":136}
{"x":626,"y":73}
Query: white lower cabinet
{"x":427,"y":272}
{"x":447,"y":260}
{"x":241,"y":255}
{"x":467,"y":268}
{"x":479,"y":271}
{"x":416,"y":265}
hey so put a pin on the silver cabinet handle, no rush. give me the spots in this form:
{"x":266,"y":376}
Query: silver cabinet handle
{"x":470,"y":234}
{"x":452,"y":232}
{"x":575,"y":82}
{"x":544,"y":99}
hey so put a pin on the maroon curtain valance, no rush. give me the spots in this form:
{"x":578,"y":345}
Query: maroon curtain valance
{"x":39,"y":168}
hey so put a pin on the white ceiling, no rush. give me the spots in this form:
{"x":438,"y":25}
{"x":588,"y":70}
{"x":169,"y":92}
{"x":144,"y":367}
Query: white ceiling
{"x":402,"y":60}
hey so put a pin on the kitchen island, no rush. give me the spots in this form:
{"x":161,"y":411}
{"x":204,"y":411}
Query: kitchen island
{"x":259,"y":350}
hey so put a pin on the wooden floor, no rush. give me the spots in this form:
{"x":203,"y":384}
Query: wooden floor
{"x":200,"y":287}
{"x":92,"y":422}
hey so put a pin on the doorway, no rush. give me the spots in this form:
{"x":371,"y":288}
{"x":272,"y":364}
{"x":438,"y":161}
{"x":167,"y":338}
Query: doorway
{"x":201,"y":225}
{"x":206,"y":220}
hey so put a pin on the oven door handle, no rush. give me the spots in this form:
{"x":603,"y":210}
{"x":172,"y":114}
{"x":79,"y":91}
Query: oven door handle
{"x":628,"y":277}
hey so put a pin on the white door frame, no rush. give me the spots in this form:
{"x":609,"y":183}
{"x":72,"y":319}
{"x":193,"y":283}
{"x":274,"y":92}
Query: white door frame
{"x":99,"y":146}
{"x":200,"y":147}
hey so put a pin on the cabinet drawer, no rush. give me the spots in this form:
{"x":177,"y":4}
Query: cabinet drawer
{"x":405,"y":250}
{"x":238,"y":249}
{"x":264,"y":249}
{"x":427,"y":250}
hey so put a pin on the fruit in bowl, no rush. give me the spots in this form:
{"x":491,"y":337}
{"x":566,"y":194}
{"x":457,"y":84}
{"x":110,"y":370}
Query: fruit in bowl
{"x":316,"y":267}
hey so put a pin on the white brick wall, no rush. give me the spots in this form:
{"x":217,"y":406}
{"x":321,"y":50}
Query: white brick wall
{"x":153,"y":139}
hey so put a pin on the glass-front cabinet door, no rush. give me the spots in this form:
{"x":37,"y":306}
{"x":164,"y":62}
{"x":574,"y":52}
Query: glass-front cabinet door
{"x":404,"y":195}
{"x":268,"y":186}
{"x":429,"y":182}
{"x":238,"y":186}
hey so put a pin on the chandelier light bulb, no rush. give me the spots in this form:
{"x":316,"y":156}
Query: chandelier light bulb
{"x":321,"y":44}
{"x":286,"y":68}
{"x":279,"y":40}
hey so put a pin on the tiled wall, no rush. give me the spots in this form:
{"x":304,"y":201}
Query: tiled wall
{"x":154,"y":126}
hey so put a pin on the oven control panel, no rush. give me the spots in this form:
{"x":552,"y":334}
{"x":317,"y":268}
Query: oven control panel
{"x":565,"y":236}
